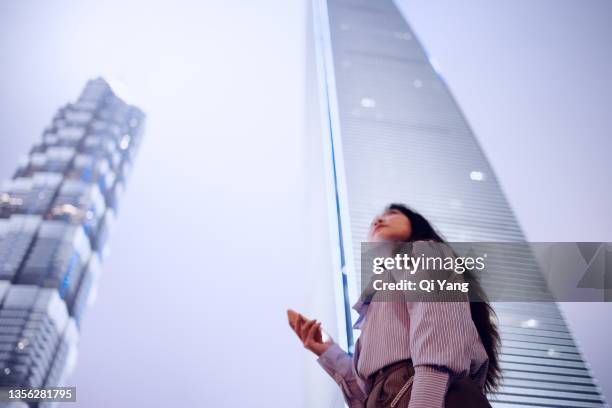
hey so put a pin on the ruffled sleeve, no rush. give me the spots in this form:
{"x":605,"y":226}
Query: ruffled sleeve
{"x":341,"y":367}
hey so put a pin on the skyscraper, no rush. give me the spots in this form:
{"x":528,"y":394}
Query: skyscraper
{"x":55,"y":214}
{"x":395,"y":134}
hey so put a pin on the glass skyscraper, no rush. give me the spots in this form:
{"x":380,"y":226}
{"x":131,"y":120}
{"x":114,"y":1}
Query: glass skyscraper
{"x":55,"y":214}
{"x":394,"y":133}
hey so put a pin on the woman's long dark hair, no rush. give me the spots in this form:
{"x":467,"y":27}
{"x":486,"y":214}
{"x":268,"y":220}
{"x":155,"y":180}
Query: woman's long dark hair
{"x":483,"y":315}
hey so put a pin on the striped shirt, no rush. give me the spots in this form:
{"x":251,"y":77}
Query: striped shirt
{"x":439,"y":337}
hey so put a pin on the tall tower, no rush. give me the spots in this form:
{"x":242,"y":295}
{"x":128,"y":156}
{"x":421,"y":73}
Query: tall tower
{"x":55,"y":214}
{"x":394,"y":133}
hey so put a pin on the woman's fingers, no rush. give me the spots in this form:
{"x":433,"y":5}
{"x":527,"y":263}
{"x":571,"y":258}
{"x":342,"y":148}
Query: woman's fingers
{"x":318,"y":334}
{"x":297,"y":328}
{"x":306,"y":328}
{"x":311,"y":337}
{"x":310,"y":333}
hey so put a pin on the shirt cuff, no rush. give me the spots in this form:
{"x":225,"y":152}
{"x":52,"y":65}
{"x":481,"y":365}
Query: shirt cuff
{"x":429,"y":387}
{"x":332,"y":360}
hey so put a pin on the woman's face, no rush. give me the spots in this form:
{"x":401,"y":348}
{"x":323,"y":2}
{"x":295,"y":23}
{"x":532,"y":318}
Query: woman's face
{"x":391,"y":225}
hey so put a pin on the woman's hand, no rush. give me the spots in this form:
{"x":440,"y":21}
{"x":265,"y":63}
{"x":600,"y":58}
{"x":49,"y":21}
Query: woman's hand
{"x":309,"y":332}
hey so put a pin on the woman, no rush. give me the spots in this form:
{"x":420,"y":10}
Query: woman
{"x":413,"y":354}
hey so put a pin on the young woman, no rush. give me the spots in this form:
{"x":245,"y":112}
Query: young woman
{"x":413,"y":354}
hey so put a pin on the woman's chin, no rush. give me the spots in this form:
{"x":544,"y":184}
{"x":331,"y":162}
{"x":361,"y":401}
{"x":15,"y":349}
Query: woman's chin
{"x":381,"y":238}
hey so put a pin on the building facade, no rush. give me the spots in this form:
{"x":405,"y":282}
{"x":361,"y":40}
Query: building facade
{"x":55,"y":215}
{"x":394,"y":133}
